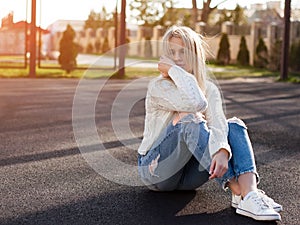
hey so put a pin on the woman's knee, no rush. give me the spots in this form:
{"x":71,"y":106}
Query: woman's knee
{"x":237,"y":133}
{"x":234,"y":121}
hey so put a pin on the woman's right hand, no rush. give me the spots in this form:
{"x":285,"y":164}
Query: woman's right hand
{"x":219,"y":164}
{"x":164,"y":65}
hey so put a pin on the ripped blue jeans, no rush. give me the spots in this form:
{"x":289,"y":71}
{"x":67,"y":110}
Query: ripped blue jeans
{"x":180,"y":161}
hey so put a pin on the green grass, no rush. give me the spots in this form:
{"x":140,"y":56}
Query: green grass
{"x":293,"y":77}
{"x":131,"y":72}
{"x":11,"y":57}
{"x":233,"y":71}
{"x":220,"y":72}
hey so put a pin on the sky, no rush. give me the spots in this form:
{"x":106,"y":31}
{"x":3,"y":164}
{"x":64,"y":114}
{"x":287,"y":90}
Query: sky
{"x":52,"y":10}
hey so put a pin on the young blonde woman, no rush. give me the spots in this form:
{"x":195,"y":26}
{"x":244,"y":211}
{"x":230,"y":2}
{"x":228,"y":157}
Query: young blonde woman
{"x":187,"y":139}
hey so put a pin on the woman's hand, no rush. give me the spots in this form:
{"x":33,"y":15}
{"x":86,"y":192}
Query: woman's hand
{"x":219,"y":164}
{"x":164,"y":65}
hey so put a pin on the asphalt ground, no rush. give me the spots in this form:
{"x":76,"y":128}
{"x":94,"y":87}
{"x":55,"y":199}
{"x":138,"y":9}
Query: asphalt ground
{"x":48,"y":175}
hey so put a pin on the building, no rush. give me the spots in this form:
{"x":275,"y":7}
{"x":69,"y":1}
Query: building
{"x":263,"y":21}
{"x":15,"y":36}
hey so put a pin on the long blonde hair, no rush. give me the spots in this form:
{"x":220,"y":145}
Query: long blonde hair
{"x":194,"y":52}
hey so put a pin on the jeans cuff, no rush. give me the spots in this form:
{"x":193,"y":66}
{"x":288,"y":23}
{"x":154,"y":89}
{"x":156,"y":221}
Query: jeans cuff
{"x":224,"y":181}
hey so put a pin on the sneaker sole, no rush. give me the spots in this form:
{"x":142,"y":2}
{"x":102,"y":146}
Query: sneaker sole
{"x":258,"y":217}
{"x":234,"y":205}
{"x":276,"y":209}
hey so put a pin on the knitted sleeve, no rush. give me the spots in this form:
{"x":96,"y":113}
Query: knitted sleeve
{"x":216,"y":121}
{"x":181,"y":93}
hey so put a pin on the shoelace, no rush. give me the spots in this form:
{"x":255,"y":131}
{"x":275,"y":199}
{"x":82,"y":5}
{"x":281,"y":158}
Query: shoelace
{"x":261,"y":202}
{"x":265,"y":197}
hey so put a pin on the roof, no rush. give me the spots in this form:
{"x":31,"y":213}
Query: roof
{"x":20,"y":26}
{"x":266,"y":16}
{"x":61,"y":25}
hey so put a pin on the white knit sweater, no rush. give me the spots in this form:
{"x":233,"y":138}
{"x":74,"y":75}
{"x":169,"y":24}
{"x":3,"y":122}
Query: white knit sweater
{"x":166,"y":97}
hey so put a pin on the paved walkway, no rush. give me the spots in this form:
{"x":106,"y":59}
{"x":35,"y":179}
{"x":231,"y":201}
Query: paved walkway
{"x":45,"y":179}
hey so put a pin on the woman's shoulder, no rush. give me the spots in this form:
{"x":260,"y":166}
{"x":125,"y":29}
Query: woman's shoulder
{"x":211,"y":86}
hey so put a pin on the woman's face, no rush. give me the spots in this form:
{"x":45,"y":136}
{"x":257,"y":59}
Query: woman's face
{"x":177,"y":52}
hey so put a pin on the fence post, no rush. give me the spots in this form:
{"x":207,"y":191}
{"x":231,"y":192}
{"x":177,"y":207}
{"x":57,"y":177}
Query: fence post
{"x":32,"y":64}
{"x":286,"y":41}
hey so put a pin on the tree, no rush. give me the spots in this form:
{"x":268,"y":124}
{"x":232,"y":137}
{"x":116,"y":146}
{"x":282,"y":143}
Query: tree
{"x":236,"y":16}
{"x":194,"y":12}
{"x":99,"y":20}
{"x":286,"y":41}
{"x":223,"y":56}
{"x":206,"y":9}
{"x":225,"y":15}
{"x":170,"y":14}
{"x":261,"y":54}
{"x":187,"y":20}
{"x":93,"y":21}
{"x":148,"y":13}
{"x":243,"y":54}
{"x":68,"y":50}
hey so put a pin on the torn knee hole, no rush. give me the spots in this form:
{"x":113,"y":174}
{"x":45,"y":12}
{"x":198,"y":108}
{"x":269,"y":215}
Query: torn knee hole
{"x":153,"y":165}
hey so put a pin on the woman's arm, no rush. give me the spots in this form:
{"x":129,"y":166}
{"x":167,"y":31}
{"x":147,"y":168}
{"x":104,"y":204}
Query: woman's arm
{"x":179,"y":91}
{"x":218,"y":145}
{"x":216,"y":121}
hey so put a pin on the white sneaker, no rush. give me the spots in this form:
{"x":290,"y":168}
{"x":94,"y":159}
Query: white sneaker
{"x":254,"y":206}
{"x":236,"y":199}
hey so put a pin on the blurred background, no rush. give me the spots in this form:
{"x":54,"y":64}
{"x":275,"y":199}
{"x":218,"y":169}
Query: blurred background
{"x":238,"y":32}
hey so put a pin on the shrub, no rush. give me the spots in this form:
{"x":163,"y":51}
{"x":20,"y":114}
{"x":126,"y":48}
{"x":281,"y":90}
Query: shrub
{"x":97,"y":45}
{"x":105,"y":45}
{"x":148,"y":48}
{"x":261,"y":54}
{"x":68,"y":50}
{"x":223,"y":56}
{"x":89,"y":48}
{"x":243,"y":54}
